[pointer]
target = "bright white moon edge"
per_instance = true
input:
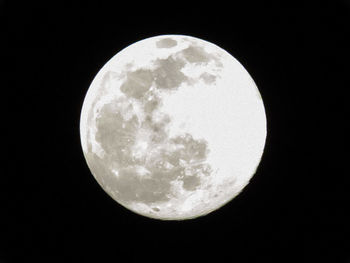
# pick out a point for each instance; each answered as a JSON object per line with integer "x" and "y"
{"x": 173, "y": 127}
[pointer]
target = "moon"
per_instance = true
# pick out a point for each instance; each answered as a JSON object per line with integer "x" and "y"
{"x": 173, "y": 127}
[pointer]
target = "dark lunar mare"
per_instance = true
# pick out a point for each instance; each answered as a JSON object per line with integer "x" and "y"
{"x": 181, "y": 158}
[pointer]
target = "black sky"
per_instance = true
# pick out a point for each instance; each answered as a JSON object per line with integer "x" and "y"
{"x": 294, "y": 209}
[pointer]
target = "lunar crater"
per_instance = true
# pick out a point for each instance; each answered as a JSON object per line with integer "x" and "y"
{"x": 166, "y": 43}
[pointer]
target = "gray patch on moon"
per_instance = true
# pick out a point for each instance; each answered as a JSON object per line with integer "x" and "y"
{"x": 137, "y": 83}
{"x": 197, "y": 54}
{"x": 194, "y": 54}
{"x": 150, "y": 103}
{"x": 105, "y": 83}
{"x": 168, "y": 75}
{"x": 165, "y": 159}
{"x": 115, "y": 134}
{"x": 208, "y": 78}
{"x": 191, "y": 182}
{"x": 145, "y": 173}
{"x": 166, "y": 43}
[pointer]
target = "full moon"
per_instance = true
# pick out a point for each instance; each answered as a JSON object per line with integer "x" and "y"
{"x": 173, "y": 127}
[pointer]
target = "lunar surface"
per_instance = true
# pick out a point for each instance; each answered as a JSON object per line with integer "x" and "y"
{"x": 173, "y": 127}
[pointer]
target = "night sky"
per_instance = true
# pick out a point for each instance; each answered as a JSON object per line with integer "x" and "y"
{"x": 294, "y": 209}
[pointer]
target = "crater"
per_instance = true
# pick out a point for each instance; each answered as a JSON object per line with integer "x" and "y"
{"x": 194, "y": 54}
{"x": 166, "y": 43}
{"x": 137, "y": 83}
{"x": 168, "y": 74}
{"x": 208, "y": 78}
{"x": 190, "y": 183}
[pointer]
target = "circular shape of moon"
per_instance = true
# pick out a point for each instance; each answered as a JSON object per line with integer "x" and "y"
{"x": 173, "y": 127}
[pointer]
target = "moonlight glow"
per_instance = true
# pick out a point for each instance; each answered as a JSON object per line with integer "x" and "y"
{"x": 173, "y": 127}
